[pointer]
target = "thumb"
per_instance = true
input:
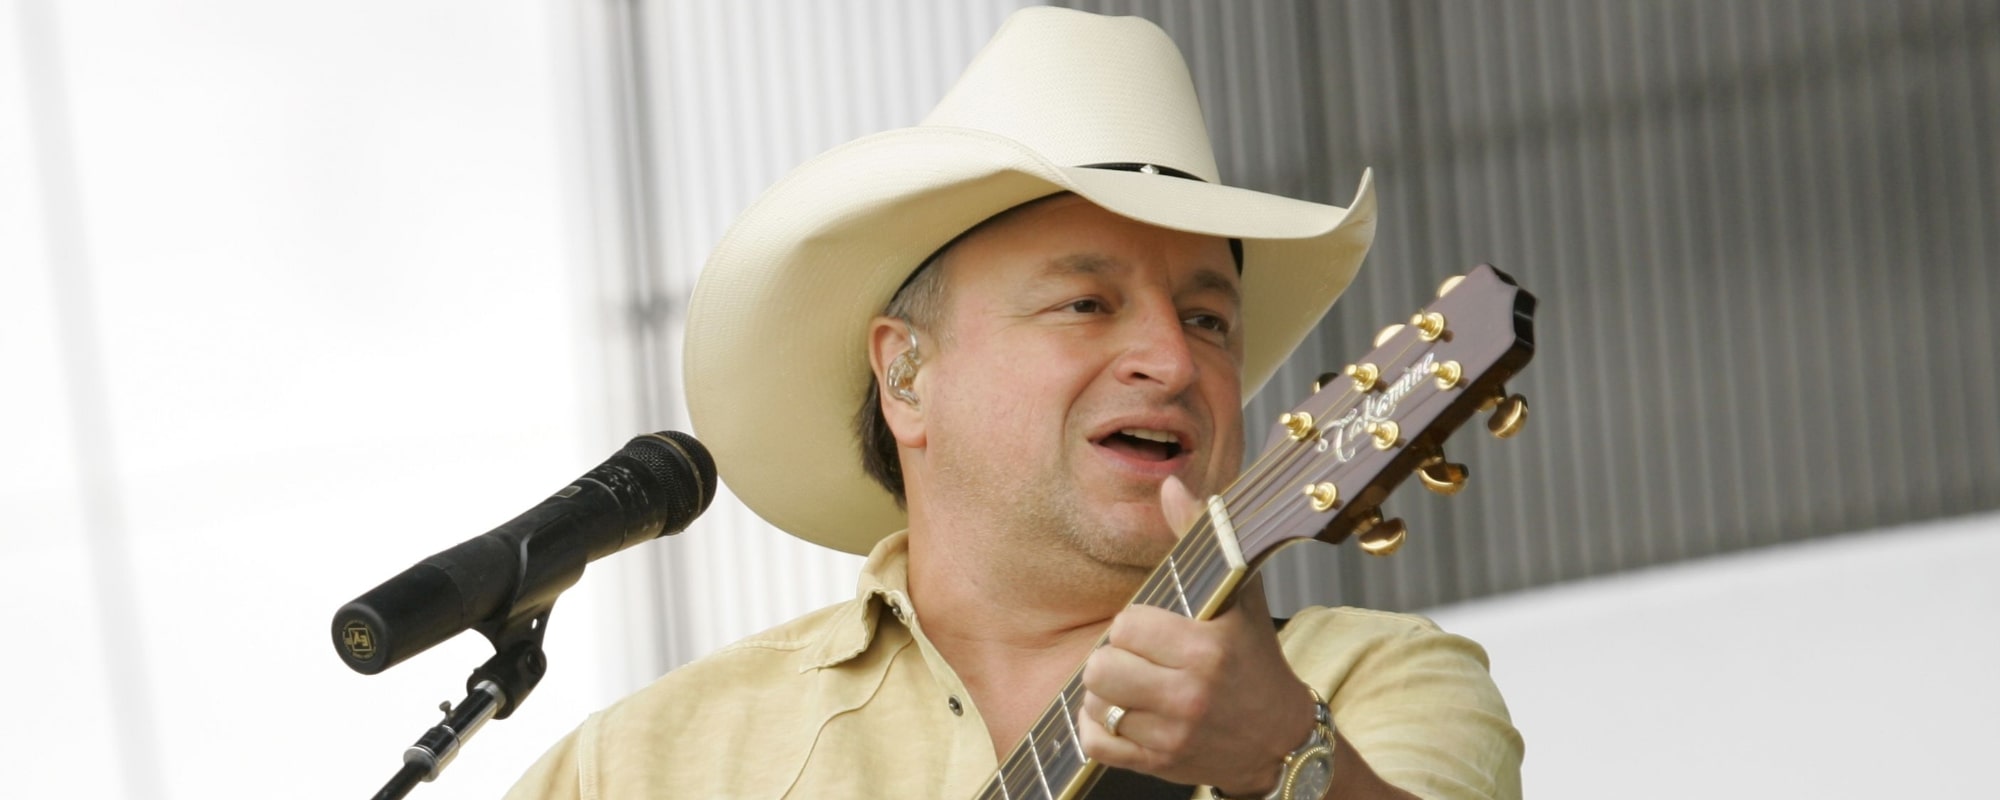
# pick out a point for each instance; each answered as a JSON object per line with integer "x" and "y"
{"x": 1181, "y": 507}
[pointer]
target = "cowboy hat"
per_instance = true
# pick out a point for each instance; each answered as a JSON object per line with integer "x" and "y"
{"x": 1059, "y": 101}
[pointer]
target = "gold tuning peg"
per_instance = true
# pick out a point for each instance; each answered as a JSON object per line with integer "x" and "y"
{"x": 1449, "y": 284}
{"x": 1385, "y": 433}
{"x": 1508, "y": 416}
{"x": 1366, "y": 376}
{"x": 1385, "y": 538}
{"x": 1430, "y": 325}
{"x": 1441, "y": 476}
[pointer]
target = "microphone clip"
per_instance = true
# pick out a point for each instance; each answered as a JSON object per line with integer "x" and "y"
{"x": 493, "y": 691}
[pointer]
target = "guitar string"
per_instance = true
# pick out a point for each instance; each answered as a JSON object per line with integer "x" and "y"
{"x": 1272, "y": 474}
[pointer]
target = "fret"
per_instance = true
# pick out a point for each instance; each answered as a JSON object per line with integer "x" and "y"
{"x": 1180, "y": 590}
{"x": 1073, "y": 690}
{"x": 1020, "y": 779}
{"x": 1043, "y": 774}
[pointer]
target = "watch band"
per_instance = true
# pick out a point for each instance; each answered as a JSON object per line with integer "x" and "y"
{"x": 1321, "y": 737}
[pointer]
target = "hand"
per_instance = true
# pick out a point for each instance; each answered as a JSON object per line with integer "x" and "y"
{"x": 1206, "y": 702}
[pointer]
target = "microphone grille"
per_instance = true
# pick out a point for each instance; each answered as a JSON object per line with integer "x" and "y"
{"x": 677, "y": 463}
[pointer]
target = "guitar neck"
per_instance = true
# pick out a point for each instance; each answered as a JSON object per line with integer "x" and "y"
{"x": 1196, "y": 580}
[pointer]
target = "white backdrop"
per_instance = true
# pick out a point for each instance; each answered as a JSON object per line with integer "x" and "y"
{"x": 293, "y": 295}
{"x": 287, "y": 303}
{"x": 1859, "y": 666}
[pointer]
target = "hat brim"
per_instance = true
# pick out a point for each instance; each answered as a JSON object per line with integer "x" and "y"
{"x": 776, "y": 348}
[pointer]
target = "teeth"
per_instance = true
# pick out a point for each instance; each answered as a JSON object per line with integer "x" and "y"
{"x": 1151, "y": 435}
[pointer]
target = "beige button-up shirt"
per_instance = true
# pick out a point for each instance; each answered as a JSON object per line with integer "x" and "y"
{"x": 851, "y": 701}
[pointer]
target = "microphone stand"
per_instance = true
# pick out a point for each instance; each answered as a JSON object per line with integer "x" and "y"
{"x": 494, "y": 691}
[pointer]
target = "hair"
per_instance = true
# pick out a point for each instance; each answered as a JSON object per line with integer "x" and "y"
{"x": 921, "y": 304}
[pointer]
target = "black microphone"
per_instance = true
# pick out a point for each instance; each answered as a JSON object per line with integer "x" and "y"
{"x": 657, "y": 484}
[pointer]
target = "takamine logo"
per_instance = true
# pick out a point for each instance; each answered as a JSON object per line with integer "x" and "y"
{"x": 360, "y": 640}
{"x": 1351, "y": 429}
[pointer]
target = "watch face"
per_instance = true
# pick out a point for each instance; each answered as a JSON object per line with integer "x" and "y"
{"x": 1311, "y": 775}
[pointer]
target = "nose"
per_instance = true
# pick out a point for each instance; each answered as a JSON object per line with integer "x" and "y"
{"x": 1155, "y": 350}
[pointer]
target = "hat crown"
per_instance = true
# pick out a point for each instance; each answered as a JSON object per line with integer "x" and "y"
{"x": 1084, "y": 90}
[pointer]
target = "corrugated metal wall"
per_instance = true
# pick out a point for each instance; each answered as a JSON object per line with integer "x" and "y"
{"x": 1762, "y": 234}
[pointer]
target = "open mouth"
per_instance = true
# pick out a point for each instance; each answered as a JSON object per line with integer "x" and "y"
{"x": 1143, "y": 444}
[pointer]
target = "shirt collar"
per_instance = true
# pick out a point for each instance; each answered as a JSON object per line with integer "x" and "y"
{"x": 884, "y": 583}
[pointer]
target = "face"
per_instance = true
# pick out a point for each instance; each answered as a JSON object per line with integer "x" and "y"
{"x": 1085, "y": 357}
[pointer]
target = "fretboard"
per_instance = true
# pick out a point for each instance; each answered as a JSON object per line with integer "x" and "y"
{"x": 1196, "y": 579}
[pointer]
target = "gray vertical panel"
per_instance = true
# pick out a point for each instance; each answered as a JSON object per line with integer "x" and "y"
{"x": 1761, "y": 231}
{"x": 1968, "y": 167}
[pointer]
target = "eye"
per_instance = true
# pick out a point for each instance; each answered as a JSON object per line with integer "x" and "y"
{"x": 1210, "y": 322}
{"x": 1088, "y": 305}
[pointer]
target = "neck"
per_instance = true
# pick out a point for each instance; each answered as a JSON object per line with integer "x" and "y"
{"x": 990, "y": 586}
{"x": 1014, "y": 634}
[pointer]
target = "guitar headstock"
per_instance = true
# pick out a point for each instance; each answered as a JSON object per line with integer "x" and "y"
{"x": 1332, "y": 459}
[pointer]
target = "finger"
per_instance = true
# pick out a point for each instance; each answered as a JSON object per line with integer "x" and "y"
{"x": 1097, "y": 711}
{"x": 1181, "y": 507}
{"x": 1121, "y": 677}
{"x": 1162, "y": 637}
{"x": 1126, "y": 748}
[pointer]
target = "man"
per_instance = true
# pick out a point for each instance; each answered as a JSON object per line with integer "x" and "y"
{"x": 1050, "y": 312}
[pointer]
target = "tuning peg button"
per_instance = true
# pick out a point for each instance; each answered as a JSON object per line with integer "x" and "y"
{"x": 1385, "y": 538}
{"x": 1441, "y": 476}
{"x": 1508, "y": 417}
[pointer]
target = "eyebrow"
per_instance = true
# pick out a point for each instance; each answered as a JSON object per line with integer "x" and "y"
{"x": 1205, "y": 279}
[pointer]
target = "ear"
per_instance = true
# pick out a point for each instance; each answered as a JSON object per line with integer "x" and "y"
{"x": 888, "y": 338}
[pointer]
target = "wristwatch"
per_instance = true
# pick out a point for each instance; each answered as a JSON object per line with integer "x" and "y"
{"x": 1308, "y": 770}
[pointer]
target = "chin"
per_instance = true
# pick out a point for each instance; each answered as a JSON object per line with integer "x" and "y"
{"x": 1140, "y": 547}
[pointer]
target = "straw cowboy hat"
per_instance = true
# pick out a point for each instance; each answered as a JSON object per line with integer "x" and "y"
{"x": 1059, "y": 101}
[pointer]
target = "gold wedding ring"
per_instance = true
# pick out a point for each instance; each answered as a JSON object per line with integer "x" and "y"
{"x": 1112, "y": 718}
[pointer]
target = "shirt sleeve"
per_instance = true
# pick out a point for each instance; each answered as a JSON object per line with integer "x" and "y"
{"x": 1417, "y": 703}
{"x": 557, "y": 775}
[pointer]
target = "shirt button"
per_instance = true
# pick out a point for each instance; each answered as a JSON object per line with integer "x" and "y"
{"x": 957, "y": 709}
